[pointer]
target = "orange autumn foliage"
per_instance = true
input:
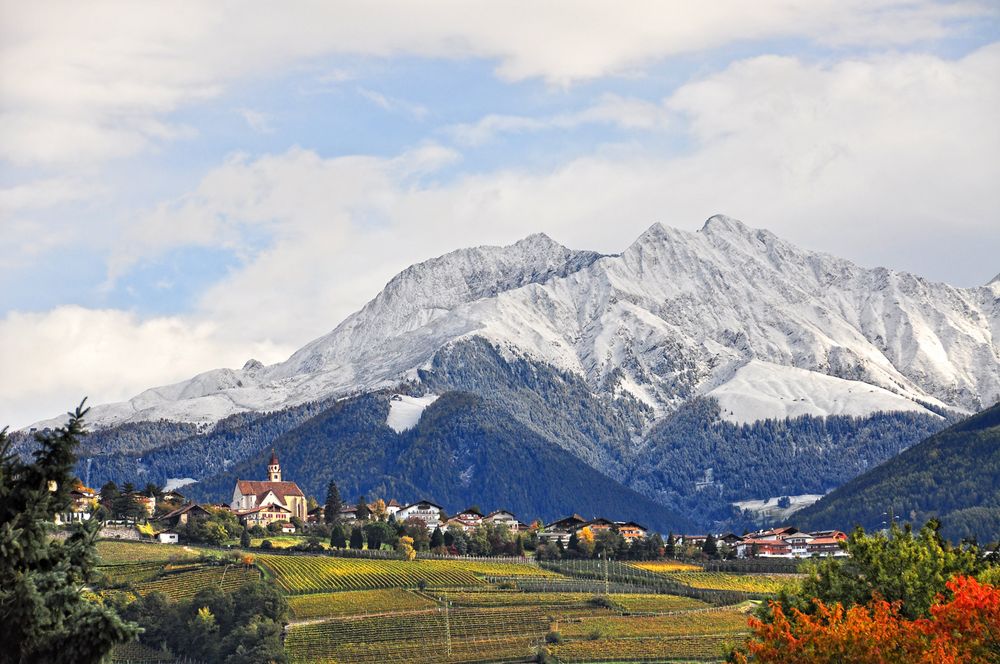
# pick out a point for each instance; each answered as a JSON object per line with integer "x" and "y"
{"x": 965, "y": 630}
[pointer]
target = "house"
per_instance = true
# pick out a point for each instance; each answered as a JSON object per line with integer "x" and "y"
{"x": 561, "y": 530}
{"x": 261, "y": 503}
{"x": 173, "y": 496}
{"x": 167, "y": 537}
{"x": 424, "y": 510}
{"x": 181, "y": 515}
{"x": 729, "y": 539}
{"x": 148, "y": 503}
{"x": 348, "y": 513}
{"x": 696, "y": 541}
{"x": 468, "y": 520}
{"x": 597, "y": 525}
{"x": 83, "y": 500}
{"x": 630, "y": 530}
{"x": 264, "y": 516}
{"x": 826, "y": 546}
{"x": 287, "y": 527}
{"x": 316, "y": 515}
{"x": 392, "y": 508}
{"x": 503, "y": 517}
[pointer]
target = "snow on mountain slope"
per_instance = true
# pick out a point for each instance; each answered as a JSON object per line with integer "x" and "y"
{"x": 405, "y": 411}
{"x": 761, "y": 390}
{"x": 677, "y": 314}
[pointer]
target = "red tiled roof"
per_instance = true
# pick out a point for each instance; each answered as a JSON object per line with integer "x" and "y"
{"x": 259, "y": 489}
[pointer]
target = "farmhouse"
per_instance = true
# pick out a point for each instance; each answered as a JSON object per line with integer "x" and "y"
{"x": 630, "y": 530}
{"x": 260, "y": 503}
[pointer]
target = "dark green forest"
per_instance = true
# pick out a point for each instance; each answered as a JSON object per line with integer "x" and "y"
{"x": 953, "y": 476}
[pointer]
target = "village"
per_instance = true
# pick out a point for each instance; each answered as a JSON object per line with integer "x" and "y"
{"x": 273, "y": 508}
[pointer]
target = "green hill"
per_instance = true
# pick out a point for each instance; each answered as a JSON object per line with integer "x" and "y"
{"x": 953, "y": 476}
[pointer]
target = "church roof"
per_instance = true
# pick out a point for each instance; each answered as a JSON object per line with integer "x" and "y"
{"x": 260, "y": 489}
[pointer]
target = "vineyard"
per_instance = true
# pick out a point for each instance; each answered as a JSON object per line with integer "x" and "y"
{"x": 636, "y": 603}
{"x": 690, "y": 623}
{"x": 750, "y": 583}
{"x": 125, "y": 553}
{"x": 355, "y": 602}
{"x": 185, "y": 584}
{"x": 512, "y": 598}
{"x": 685, "y": 648}
{"x": 662, "y": 566}
{"x": 438, "y": 635}
{"x": 304, "y": 574}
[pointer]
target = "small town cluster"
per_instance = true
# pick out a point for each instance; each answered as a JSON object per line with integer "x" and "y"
{"x": 276, "y": 506}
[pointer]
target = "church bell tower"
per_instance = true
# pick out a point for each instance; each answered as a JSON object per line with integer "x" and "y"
{"x": 274, "y": 468}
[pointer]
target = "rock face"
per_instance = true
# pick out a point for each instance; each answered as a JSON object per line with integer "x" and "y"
{"x": 674, "y": 316}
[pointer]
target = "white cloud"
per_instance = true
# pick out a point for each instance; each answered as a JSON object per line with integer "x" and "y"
{"x": 256, "y": 120}
{"x": 70, "y": 352}
{"x": 393, "y": 104}
{"x": 622, "y": 112}
{"x": 89, "y": 81}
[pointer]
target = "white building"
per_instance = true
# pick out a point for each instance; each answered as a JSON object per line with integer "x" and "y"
{"x": 167, "y": 538}
{"x": 424, "y": 510}
{"x": 503, "y": 517}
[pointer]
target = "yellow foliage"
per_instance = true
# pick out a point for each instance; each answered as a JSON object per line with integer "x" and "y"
{"x": 146, "y": 529}
{"x": 586, "y": 535}
{"x": 405, "y": 547}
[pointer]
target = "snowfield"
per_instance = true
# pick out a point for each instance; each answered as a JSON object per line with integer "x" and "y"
{"x": 761, "y": 390}
{"x": 770, "y": 329}
{"x": 405, "y": 411}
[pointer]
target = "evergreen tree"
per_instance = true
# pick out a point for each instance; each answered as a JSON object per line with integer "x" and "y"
{"x": 671, "y": 548}
{"x": 46, "y": 617}
{"x": 245, "y": 539}
{"x": 710, "y": 548}
{"x": 437, "y": 538}
{"x": 337, "y": 539}
{"x": 357, "y": 538}
{"x": 363, "y": 512}
{"x": 519, "y": 546}
{"x": 331, "y": 510}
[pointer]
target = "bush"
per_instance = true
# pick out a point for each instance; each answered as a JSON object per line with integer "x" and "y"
{"x": 555, "y": 637}
{"x": 266, "y": 545}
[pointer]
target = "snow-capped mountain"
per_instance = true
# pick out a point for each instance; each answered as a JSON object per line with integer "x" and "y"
{"x": 767, "y": 328}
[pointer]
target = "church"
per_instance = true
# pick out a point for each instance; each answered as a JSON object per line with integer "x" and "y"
{"x": 260, "y": 503}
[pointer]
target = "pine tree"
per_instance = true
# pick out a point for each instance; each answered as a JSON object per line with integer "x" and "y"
{"x": 245, "y": 539}
{"x": 519, "y": 546}
{"x": 437, "y": 538}
{"x": 363, "y": 512}
{"x": 46, "y": 617}
{"x": 331, "y": 511}
{"x": 357, "y": 538}
{"x": 671, "y": 548}
{"x": 337, "y": 539}
{"x": 710, "y": 548}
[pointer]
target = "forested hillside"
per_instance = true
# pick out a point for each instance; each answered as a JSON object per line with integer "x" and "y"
{"x": 463, "y": 451}
{"x": 953, "y": 475}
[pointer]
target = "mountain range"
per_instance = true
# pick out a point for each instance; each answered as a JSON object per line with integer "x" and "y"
{"x": 696, "y": 369}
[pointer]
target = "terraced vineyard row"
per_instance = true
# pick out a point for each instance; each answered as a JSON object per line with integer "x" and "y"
{"x": 117, "y": 575}
{"x": 185, "y": 585}
{"x": 355, "y": 602}
{"x": 662, "y": 566}
{"x": 456, "y": 635}
{"x": 512, "y": 598}
{"x": 636, "y": 603}
{"x": 303, "y": 574}
{"x": 691, "y": 623}
{"x": 751, "y": 583}
{"x": 708, "y": 648}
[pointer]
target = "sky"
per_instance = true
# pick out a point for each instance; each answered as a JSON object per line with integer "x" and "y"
{"x": 187, "y": 185}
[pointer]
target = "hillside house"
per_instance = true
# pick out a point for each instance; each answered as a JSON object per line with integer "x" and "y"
{"x": 503, "y": 517}
{"x": 468, "y": 520}
{"x": 261, "y": 503}
{"x": 181, "y": 515}
{"x": 83, "y": 500}
{"x": 561, "y": 530}
{"x": 392, "y": 508}
{"x": 630, "y": 530}
{"x": 424, "y": 510}
{"x": 167, "y": 537}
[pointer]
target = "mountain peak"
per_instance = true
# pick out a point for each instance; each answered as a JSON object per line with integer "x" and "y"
{"x": 720, "y": 223}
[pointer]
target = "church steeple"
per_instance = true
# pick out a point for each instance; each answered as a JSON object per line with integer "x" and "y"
{"x": 274, "y": 468}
